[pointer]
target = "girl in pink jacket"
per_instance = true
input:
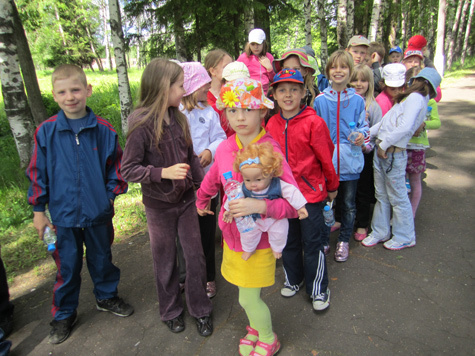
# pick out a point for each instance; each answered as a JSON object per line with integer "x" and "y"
{"x": 257, "y": 60}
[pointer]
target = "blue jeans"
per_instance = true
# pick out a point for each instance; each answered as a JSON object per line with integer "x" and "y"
{"x": 306, "y": 236}
{"x": 390, "y": 191}
{"x": 346, "y": 201}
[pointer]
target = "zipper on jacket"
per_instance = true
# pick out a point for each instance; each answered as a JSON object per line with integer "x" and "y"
{"x": 308, "y": 183}
{"x": 78, "y": 213}
{"x": 77, "y": 139}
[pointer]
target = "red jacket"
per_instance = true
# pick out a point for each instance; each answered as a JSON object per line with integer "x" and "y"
{"x": 308, "y": 148}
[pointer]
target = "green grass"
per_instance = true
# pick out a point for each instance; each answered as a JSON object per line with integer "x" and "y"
{"x": 21, "y": 248}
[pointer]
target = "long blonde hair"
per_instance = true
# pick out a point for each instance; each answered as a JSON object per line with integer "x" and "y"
{"x": 157, "y": 78}
{"x": 367, "y": 74}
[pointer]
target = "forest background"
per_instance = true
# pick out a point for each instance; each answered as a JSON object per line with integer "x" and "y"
{"x": 103, "y": 35}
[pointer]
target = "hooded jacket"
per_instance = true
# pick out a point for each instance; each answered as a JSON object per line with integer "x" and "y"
{"x": 308, "y": 149}
{"x": 338, "y": 109}
{"x": 143, "y": 161}
{"x": 76, "y": 175}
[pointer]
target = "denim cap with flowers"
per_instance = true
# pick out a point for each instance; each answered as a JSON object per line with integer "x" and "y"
{"x": 245, "y": 93}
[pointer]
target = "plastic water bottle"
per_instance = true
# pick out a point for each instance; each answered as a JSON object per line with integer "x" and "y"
{"x": 428, "y": 113}
{"x": 355, "y": 149}
{"x": 233, "y": 190}
{"x": 328, "y": 216}
{"x": 49, "y": 238}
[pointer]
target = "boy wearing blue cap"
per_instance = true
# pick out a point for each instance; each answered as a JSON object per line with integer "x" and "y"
{"x": 395, "y": 55}
{"x": 308, "y": 148}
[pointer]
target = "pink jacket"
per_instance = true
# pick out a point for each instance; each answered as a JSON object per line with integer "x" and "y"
{"x": 224, "y": 158}
{"x": 385, "y": 102}
{"x": 257, "y": 71}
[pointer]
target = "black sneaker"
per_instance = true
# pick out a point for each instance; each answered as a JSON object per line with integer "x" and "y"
{"x": 115, "y": 305}
{"x": 60, "y": 329}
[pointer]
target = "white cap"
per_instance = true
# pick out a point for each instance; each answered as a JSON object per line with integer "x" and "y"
{"x": 394, "y": 75}
{"x": 235, "y": 70}
{"x": 257, "y": 36}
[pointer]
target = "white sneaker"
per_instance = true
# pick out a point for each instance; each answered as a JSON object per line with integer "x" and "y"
{"x": 321, "y": 301}
{"x": 395, "y": 246}
{"x": 290, "y": 291}
{"x": 372, "y": 241}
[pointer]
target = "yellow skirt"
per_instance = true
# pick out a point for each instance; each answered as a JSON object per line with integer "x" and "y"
{"x": 257, "y": 272}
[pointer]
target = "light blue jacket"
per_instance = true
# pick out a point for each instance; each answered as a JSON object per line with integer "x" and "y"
{"x": 338, "y": 109}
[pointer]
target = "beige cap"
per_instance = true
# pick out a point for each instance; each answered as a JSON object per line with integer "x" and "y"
{"x": 235, "y": 70}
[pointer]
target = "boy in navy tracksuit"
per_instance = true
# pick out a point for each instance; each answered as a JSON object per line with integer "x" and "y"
{"x": 75, "y": 171}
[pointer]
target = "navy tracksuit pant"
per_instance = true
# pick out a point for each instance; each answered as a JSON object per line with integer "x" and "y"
{"x": 69, "y": 259}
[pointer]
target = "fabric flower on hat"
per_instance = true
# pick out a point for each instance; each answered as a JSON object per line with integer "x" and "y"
{"x": 229, "y": 97}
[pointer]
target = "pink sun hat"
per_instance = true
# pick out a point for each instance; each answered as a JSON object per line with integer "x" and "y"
{"x": 195, "y": 76}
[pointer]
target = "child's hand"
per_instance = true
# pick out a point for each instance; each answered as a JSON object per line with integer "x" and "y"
{"x": 419, "y": 130}
{"x": 381, "y": 153}
{"x": 247, "y": 206}
{"x": 332, "y": 195}
{"x": 227, "y": 217}
{"x": 359, "y": 139}
{"x": 206, "y": 210}
{"x": 205, "y": 158}
{"x": 303, "y": 213}
{"x": 40, "y": 221}
{"x": 178, "y": 171}
{"x": 277, "y": 255}
{"x": 246, "y": 255}
{"x": 265, "y": 62}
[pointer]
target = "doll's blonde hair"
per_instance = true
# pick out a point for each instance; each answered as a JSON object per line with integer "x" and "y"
{"x": 270, "y": 161}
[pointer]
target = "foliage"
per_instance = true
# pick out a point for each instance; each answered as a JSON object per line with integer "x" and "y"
{"x": 60, "y": 32}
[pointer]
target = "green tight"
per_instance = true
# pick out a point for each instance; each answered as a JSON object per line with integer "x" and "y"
{"x": 258, "y": 314}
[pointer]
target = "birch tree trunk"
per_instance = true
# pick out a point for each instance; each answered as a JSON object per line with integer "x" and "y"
{"x": 28, "y": 70}
{"x": 307, "y": 9}
{"x": 455, "y": 31}
{"x": 323, "y": 34}
{"x": 16, "y": 104}
{"x": 373, "y": 27}
{"x": 350, "y": 19}
{"x": 121, "y": 64}
{"x": 249, "y": 17}
{"x": 105, "y": 19}
{"x": 467, "y": 33}
{"x": 342, "y": 24}
{"x": 453, "y": 21}
{"x": 439, "y": 58}
{"x": 460, "y": 37}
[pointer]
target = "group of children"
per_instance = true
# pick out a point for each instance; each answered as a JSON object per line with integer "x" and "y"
{"x": 193, "y": 125}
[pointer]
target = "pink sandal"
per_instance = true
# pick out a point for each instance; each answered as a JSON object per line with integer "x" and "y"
{"x": 247, "y": 342}
{"x": 361, "y": 237}
{"x": 271, "y": 349}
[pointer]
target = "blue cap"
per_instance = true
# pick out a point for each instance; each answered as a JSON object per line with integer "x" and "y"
{"x": 288, "y": 75}
{"x": 228, "y": 175}
{"x": 395, "y": 49}
{"x": 326, "y": 208}
{"x": 431, "y": 75}
{"x": 51, "y": 247}
{"x": 352, "y": 125}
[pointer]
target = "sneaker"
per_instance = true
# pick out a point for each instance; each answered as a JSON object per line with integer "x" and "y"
{"x": 289, "y": 291}
{"x": 395, "y": 246}
{"x": 408, "y": 186}
{"x": 61, "y": 329}
{"x": 342, "y": 251}
{"x": 326, "y": 250}
{"x": 321, "y": 301}
{"x": 372, "y": 241}
{"x": 115, "y": 305}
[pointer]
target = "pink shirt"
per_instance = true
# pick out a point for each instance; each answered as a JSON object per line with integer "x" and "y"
{"x": 385, "y": 102}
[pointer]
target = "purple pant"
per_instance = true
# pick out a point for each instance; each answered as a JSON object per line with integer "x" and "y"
{"x": 163, "y": 226}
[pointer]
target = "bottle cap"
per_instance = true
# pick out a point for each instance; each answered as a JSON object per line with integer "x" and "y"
{"x": 352, "y": 125}
{"x": 429, "y": 108}
{"x": 326, "y": 208}
{"x": 228, "y": 175}
{"x": 51, "y": 247}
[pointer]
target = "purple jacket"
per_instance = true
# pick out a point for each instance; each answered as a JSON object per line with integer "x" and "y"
{"x": 143, "y": 162}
